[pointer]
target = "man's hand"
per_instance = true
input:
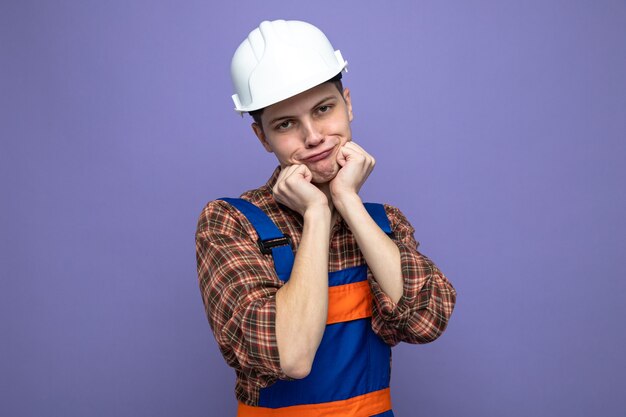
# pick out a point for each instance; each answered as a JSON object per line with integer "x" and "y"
{"x": 356, "y": 165}
{"x": 294, "y": 189}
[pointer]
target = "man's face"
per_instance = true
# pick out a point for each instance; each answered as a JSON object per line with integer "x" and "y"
{"x": 308, "y": 129}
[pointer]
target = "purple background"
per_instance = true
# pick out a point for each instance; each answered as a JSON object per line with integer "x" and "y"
{"x": 499, "y": 128}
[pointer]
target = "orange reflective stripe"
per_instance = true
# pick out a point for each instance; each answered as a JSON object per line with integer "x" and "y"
{"x": 349, "y": 302}
{"x": 363, "y": 405}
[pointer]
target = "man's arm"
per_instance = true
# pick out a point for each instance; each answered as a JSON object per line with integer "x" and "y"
{"x": 428, "y": 298}
{"x": 238, "y": 286}
{"x": 380, "y": 253}
{"x": 302, "y": 303}
{"x": 264, "y": 327}
{"x": 413, "y": 300}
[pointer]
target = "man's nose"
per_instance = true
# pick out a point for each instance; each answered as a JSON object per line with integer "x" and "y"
{"x": 313, "y": 135}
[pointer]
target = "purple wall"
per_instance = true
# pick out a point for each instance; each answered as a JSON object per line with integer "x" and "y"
{"x": 499, "y": 128}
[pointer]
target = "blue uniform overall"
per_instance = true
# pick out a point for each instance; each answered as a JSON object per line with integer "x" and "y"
{"x": 351, "y": 370}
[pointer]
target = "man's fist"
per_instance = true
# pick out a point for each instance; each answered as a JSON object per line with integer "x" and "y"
{"x": 356, "y": 165}
{"x": 294, "y": 189}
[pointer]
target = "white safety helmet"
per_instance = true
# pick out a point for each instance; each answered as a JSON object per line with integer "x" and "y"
{"x": 280, "y": 59}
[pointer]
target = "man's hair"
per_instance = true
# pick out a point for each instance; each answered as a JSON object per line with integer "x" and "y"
{"x": 256, "y": 114}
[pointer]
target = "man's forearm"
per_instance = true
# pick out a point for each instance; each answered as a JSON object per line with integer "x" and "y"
{"x": 302, "y": 303}
{"x": 380, "y": 253}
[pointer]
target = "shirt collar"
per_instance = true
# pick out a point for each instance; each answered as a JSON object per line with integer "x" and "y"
{"x": 272, "y": 181}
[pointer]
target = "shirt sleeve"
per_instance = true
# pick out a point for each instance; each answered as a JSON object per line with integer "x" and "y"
{"x": 238, "y": 286}
{"x": 422, "y": 313}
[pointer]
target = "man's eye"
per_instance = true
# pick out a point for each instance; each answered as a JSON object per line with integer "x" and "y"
{"x": 284, "y": 125}
{"x": 323, "y": 109}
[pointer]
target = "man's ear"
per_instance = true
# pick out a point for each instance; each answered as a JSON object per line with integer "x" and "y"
{"x": 348, "y": 100}
{"x": 258, "y": 131}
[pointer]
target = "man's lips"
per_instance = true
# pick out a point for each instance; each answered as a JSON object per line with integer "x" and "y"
{"x": 318, "y": 156}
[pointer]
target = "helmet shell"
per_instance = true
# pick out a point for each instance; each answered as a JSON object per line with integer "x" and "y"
{"x": 280, "y": 59}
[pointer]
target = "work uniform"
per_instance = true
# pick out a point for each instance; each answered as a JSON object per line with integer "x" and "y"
{"x": 350, "y": 374}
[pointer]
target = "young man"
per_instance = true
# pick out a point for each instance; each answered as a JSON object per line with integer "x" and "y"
{"x": 307, "y": 287}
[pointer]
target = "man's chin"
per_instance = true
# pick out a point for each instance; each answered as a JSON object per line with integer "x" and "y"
{"x": 323, "y": 177}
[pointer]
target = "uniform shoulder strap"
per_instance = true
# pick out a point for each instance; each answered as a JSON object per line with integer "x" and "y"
{"x": 271, "y": 239}
{"x": 378, "y": 214}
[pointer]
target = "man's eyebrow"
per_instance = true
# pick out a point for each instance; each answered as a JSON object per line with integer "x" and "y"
{"x": 279, "y": 118}
{"x": 319, "y": 103}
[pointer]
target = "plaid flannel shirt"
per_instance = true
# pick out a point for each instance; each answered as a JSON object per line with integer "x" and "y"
{"x": 238, "y": 286}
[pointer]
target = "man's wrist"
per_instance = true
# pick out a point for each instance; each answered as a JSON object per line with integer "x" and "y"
{"x": 344, "y": 202}
{"x": 317, "y": 213}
